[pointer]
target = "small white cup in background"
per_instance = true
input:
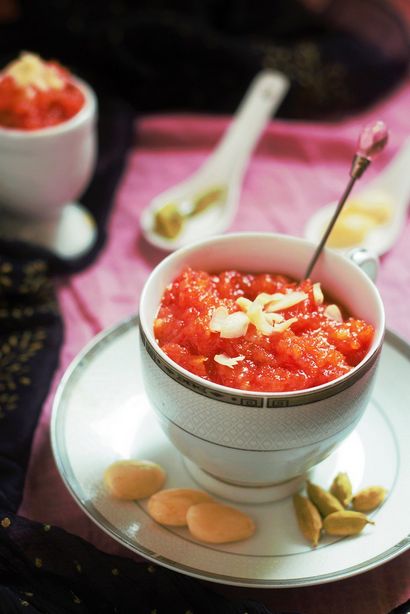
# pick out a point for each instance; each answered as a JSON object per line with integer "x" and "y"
{"x": 42, "y": 174}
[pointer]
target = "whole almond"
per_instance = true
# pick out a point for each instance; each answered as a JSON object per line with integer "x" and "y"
{"x": 170, "y": 506}
{"x": 133, "y": 479}
{"x": 215, "y": 523}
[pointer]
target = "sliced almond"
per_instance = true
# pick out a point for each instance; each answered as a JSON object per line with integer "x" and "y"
{"x": 286, "y": 301}
{"x": 257, "y": 316}
{"x": 266, "y": 321}
{"x": 264, "y": 298}
{"x": 218, "y": 318}
{"x": 281, "y": 326}
{"x": 235, "y": 325}
{"x": 333, "y": 313}
{"x": 318, "y": 294}
{"x": 53, "y": 80}
{"x": 272, "y": 318}
{"x": 226, "y": 361}
{"x": 243, "y": 303}
{"x": 30, "y": 70}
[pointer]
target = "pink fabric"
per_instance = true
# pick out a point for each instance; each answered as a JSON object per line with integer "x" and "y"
{"x": 297, "y": 167}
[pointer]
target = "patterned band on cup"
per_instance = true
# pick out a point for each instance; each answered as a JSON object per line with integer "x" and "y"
{"x": 261, "y": 400}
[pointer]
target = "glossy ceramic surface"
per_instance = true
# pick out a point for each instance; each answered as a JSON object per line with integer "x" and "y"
{"x": 224, "y": 430}
{"x": 101, "y": 414}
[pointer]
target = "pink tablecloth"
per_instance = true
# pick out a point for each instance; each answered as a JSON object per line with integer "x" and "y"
{"x": 297, "y": 168}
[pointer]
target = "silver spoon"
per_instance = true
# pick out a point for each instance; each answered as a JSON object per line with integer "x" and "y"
{"x": 388, "y": 192}
{"x": 372, "y": 141}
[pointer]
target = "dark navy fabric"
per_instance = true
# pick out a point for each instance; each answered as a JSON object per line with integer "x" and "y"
{"x": 43, "y": 568}
{"x": 200, "y": 55}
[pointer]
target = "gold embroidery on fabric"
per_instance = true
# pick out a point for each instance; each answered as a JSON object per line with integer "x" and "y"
{"x": 34, "y": 281}
{"x": 304, "y": 65}
{"x": 21, "y": 347}
{"x": 15, "y": 354}
{"x": 5, "y": 269}
{"x": 75, "y": 598}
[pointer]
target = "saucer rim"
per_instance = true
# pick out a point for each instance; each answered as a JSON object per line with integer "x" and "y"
{"x": 66, "y": 473}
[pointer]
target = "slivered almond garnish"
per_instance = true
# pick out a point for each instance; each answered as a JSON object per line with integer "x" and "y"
{"x": 281, "y": 326}
{"x": 285, "y": 301}
{"x": 235, "y": 325}
{"x": 30, "y": 70}
{"x": 243, "y": 303}
{"x": 218, "y": 317}
{"x": 224, "y": 360}
{"x": 318, "y": 294}
{"x": 264, "y": 298}
{"x": 261, "y": 313}
{"x": 272, "y": 318}
{"x": 256, "y": 315}
{"x": 333, "y": 313}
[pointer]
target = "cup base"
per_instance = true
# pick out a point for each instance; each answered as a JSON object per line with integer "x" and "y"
{"x": 69, "y": 236}
{"x": 242, "y": 493}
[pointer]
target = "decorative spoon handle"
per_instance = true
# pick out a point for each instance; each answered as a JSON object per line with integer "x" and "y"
{"x": 372, "y": 141}
{"x": 263, "y": 98}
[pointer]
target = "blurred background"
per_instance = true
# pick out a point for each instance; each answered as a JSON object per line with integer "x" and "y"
{"x": 200, "y": 55}
{"x": 146, "y": 57}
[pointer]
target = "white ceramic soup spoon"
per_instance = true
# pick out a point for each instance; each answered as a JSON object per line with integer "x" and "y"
{"x": 206, "y": 202}
{"x": 387, "y": 197}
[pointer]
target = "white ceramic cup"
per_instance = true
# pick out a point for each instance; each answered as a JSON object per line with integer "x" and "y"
{"x": 258, "y": 439}
{"x": 41, "y": 171}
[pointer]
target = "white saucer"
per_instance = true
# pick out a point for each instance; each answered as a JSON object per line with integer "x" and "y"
{"x": 101, "y": 414}
{"x": 243, "y": 494}
{"x": 71, "y": 236}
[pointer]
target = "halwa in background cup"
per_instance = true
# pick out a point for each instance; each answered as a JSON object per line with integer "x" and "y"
{"x": 43, "y": 172}
{"x": 237, "y": 442}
